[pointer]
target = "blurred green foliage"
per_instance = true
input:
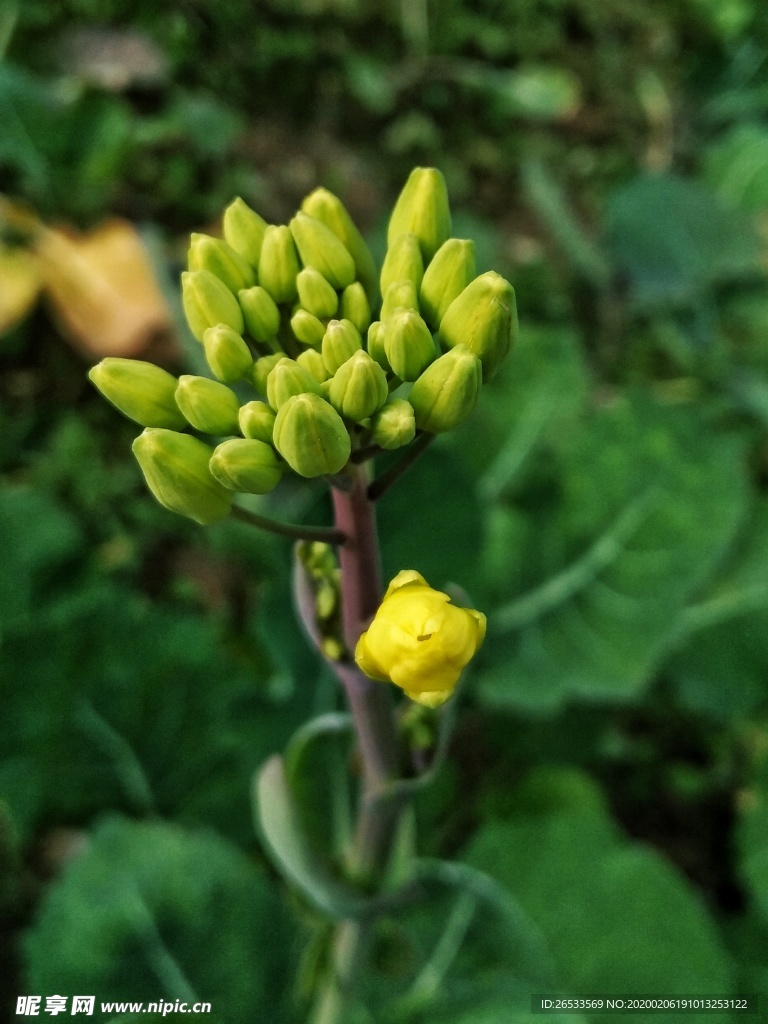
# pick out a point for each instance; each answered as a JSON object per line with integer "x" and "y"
{"x": 605, "y": 506}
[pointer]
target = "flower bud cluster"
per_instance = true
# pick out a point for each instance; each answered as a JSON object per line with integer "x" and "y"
{"x": 288, "y": 311}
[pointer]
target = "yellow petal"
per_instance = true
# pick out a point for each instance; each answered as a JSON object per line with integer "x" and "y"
{"x": 404, "y": 577}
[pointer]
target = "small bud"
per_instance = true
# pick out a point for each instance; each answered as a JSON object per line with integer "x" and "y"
{"x": 316, "y": 295}
{"x": 244, "y": 230}
{"x": 375, "y": 344}
{"x": 445, "y": 394}
{"x": 257, "y": 421}
{"x": 227, "y": 354}
{"x": 340, "y": 342}
{"x": 422, "y": 208}
{"x": 399, "y": 295}
{"x": 403, "y": 262}
{"x": 484, "y": 318}
{"x": 206, "y": 253}
{"x": 358, "y": 388}
{"x": 447, "y": 275}
{"x": 208, "y": 405}
{"x": 207, "y": 302}
{"x": 394, "y": 425}
{"x": 262, "y": 369}
{"x": 355, "y": 306}
{"x": 307, "y": 328}
{"x": 260, "y": 313}
{"x": 175, "y": 467}
{"x": 314, "y": 363}
{"x": 329, "y": 209}
{"x": 320, "y": 248}
{"x": 246, "y": 465}
{"x": 279, "y": 263}
{"x": 287, "y": 380}
{"x": 141, "y": 391}
{"x": 311, "y": 436}
{"x": 408, "y": 344}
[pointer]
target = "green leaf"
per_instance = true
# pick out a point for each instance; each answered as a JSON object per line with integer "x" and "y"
{"x": 316, "y": 770}
{"x": 171, "y": 722}
{"x": 649, "y": 498}
{"x": 617, "y": 917}
{"x": 721, "y": 666}
{"x": 39, "y": 536}
{"x": 737, "y": 167}
{"x": 752, "y": 839}
{"x": 131, "y": 919}
{"x": 675, "y": 240}
{"x": 279, "y": 820}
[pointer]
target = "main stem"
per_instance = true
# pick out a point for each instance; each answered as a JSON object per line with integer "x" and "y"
{"x": 369, "y": 701}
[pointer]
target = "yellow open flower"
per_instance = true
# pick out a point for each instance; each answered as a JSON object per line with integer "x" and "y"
{"x": 419, "y": 641}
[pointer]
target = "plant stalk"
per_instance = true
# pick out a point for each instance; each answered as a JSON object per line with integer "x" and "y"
{"x": 369, "y": 701}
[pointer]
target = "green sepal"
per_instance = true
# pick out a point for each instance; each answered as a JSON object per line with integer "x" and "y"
{"x": 340, "y": 342}
{"x": 247, "y": 465}
{"x": 279, "y": 263}
{"x": 358, "y": 388}
{"x": 329, "y": 209}
{"x": 403, "y": 262}
{"x": 484, "y": 318}
{"x": 423, "y": 209}
{"x": 244, "y": 230}
{"x": 446, "y": 393}
{"x": 175, "y": 467}
{"x": 311, "y": 436}
{"x": 320, "y": 248}
{"x": 260, "y": 313}
{"x": 207, "y": 302}
{"x": 215, "y": 255}
{"x": 448, "y": 274}
{"x": 208, "y": 405}
{"x": 227, "y": 354}
{"x": 141, "y": 391}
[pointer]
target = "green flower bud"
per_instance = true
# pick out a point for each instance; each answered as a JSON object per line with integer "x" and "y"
{"x": 257, "y": 421}
{"x": 358, "y": 388}
{"x": 206, "y": 253}
{"x": 246, "y": 465}
{"x": 279, "y": 263}
{"x": 422, "y": 208}
{"x": 394, "y": 425}
{"x": 448, "y": 274}
{"x": 399, "y": 295}
{"x": 340, "y": 342}
{"x": 316, "y": 295}
{"x": 175, "y": 467}
{"x": 311, "y": 436}
{"x": 208, "y": 405}
{"x": 227, "y": 354}
{"x": 313, "y": 363}
{"x": 260, "y": 313}
{"x": 375, "y": 344}
{"x": 484, "y": 318}
{"x": 141, "y": 391}
{"x": 320, "y": 248}
{"x": 262, "y": 369}
{"x": 329, "y": 209}
{"x": 287, "y": 380}
{"x": 445, "y": 394}
{"x": 307, "y": 328}
{"x": 403, "y": 262}
{"x": 244, "y": 230}
{"x": 207, "y": 302}
{"x": 355, "y": 306}
{"x": 408, "y": 344}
